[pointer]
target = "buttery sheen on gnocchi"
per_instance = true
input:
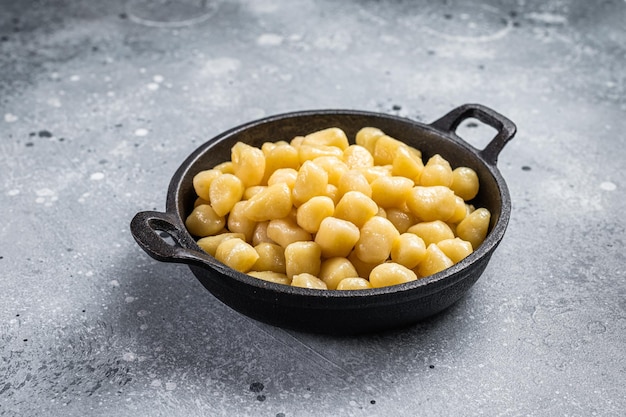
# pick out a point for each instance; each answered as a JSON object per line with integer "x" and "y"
{"x": 319, "y": 212}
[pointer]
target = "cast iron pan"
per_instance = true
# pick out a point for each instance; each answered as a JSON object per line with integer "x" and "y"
{"x": 327, "y": 311}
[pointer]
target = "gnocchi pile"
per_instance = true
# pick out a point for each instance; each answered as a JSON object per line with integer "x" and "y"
{"x": 319, "y": 212}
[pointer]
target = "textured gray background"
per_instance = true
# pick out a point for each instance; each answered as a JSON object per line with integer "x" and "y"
{"x": 98, "y": 109}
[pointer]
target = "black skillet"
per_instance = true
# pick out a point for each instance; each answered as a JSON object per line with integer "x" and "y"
{"x": 324, "y": 311}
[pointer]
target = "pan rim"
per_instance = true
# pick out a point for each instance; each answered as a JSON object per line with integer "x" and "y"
{"x": 424, "y": 286}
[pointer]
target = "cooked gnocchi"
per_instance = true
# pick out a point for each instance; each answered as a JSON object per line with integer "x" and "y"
{"x": 319, "y": 212}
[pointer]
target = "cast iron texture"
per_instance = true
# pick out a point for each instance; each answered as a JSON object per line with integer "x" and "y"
{"x": 336, "y": 312}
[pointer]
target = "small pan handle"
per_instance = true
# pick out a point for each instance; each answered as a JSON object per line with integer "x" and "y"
{"x": 506, "y": 128}
{"x": 145, "y": 228}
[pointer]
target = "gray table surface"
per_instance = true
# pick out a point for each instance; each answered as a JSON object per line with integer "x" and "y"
{"x": 99, "y": 106}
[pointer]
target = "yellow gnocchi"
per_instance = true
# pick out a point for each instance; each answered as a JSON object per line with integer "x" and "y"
{"x": 323, "y": 213}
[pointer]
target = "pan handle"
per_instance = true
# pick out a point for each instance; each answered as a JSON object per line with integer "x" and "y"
{"x": 145, "y": 228}
{"x": 506, "y": 128}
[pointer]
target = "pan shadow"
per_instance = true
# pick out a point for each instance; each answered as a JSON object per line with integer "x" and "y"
{"x": 179, "y": 334}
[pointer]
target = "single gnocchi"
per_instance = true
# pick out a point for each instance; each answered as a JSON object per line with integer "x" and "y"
{"x": 322, "y": 213}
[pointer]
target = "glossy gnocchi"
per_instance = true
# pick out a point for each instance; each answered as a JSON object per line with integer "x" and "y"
{"x": 319, "y": 212}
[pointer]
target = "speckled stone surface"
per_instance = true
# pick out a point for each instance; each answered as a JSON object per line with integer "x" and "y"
{"x": 99, "y": 105}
